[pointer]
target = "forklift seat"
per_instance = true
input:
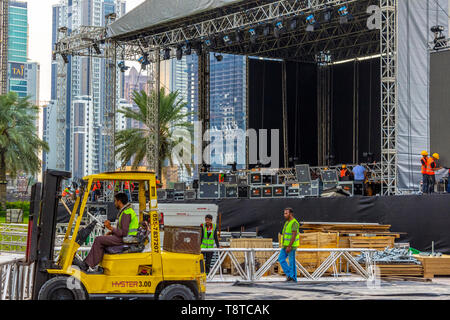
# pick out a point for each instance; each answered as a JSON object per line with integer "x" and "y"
{"x": 133, "y": 244}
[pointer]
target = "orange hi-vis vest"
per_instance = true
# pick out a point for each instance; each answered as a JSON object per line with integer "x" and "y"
{"x": 430, "y": 171}
{"x": 344, "y": 173}
{"x": 424, "y": 162}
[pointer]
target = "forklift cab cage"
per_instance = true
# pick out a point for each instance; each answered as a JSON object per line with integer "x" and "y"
{"x": 69, "y": 246}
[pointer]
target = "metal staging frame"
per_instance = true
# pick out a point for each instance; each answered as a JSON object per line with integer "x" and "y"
{"x": 343, "y": 41}
{"x": 248, "y": 272}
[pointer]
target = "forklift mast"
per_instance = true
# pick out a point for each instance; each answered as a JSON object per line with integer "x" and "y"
{"x": 44, "y": 218}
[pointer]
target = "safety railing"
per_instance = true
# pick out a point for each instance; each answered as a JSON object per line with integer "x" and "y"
{"x": 249, "y": 273}
{"x": 16, "y": 280}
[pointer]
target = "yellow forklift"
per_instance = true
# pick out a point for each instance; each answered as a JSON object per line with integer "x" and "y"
{"x": 132, "y": 274}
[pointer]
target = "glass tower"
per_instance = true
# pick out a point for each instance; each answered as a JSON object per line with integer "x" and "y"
{"x": 17, "y": 47}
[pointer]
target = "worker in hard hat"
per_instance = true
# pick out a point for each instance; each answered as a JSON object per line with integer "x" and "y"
{"x": 425, "y": 176}
{"x": 345, "y": 174}
{"x": 432, "y": 168}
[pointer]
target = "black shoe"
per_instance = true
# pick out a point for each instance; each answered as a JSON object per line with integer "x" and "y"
{"x": 80, "y": 264}
{"x": 291, "y": 280}
{"x": 99, "y": 270}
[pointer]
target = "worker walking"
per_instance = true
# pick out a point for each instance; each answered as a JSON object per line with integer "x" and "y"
{"x": 209, "y": 237}
{"x": 290, "y": 241}
{"x": 432, "y": 168}
{"x": 425, "y": 176}
{"x": 128, "y": 224}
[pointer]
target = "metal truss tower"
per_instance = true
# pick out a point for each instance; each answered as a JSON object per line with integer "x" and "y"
{"x": 109, "y": 125}
{"x": 152, "y": 118}
{"x": 3, "y": 45}
{"x": 389, "y": 102}
{"x": 61, "y": 105}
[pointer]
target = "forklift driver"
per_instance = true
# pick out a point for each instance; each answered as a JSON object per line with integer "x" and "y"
{"x": 128, "y": 224}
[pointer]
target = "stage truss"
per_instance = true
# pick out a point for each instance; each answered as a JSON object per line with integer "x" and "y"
{"x": 343, "y": 42}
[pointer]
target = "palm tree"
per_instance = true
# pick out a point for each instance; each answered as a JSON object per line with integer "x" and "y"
{"x": 19, "y": 141}
{"x": 174, "y": 131}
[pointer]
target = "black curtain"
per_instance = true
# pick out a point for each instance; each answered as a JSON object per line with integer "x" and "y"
{"x": 265, "y": 107}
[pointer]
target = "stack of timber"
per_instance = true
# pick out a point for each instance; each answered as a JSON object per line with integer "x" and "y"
{"x": 434, "y": 266}
{"x": 356, "y": 235}
{"x": 247, "y": 243}
{"x": 312, "y": 260}
{"x": 411, "y": 270}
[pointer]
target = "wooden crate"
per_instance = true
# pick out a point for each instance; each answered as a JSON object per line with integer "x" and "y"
{"x": 435, "y": 266}
{"x": 260, "y": 257}
{"x": 312, "y": 260}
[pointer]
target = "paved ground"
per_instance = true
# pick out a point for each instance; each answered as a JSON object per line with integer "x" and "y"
{"x": 438, "y": 289}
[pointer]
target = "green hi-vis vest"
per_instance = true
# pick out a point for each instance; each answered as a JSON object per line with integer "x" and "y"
{"x": 208, "y": 242}
{"x": 134, "y": 222}
{"x": 287, "y": 235}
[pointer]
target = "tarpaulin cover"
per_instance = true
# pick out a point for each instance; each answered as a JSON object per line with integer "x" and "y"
{"x": 154, "y": 12}
{"x": 423, "y": 218}
{"x": 416, "y": 17}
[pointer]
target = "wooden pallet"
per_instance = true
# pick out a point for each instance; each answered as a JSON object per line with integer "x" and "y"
{"x": 435, "y": 266}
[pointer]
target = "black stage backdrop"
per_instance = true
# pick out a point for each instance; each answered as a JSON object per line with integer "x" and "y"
{"x": 423, "y": 218}
{"x": 265, "y": 107}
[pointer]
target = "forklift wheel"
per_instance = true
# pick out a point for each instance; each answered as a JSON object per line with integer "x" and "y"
{"x": 62, "y": 288}
{"x": 176, "y": 292}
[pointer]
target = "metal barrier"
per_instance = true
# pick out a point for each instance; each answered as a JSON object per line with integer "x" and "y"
{"x": 16, "y": 280}
{"x": 248, "y": 273}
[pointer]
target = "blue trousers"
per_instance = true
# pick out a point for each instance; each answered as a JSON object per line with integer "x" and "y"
{"x": 425, "y": 183}
{"x": 290, "y": 270}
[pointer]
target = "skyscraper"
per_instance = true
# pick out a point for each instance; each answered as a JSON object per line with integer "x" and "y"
{"x": 23, "y": 77}
{"x": 85, "y": 86}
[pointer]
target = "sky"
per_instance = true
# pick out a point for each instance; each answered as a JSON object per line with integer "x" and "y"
{"x": 40, "y": 39}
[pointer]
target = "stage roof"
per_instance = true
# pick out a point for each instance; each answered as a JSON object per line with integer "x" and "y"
{"x": 155, "y": 13}
{"x": 169, "y": 23}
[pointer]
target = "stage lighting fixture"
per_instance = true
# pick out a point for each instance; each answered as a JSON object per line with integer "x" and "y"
{"x": 97, "y": 49}
{"x": 239, "y": 36}
{"x": 327, "y": 15}
{"x": 227, "y": 40}
{"x": 167, "y": 54}
{"x": 279, "y": 29}
{"x": 210, "y": 43}
{"x": 188, "y": 49}
{"x": 144, "y": 60}
{"x": 122, "y": 66}
{"x": 65, "y": 58}
{"x": 344, "y": 14}
{"x": 266, "y": 30}
{"x": 312, "y": 23}
{"x": 179, "y": 52}
{"x": 293, "y": 23}
{"x": 440, "y": 40}
{"x": 218, "y": 57}
{"x": 253, "y": 35}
